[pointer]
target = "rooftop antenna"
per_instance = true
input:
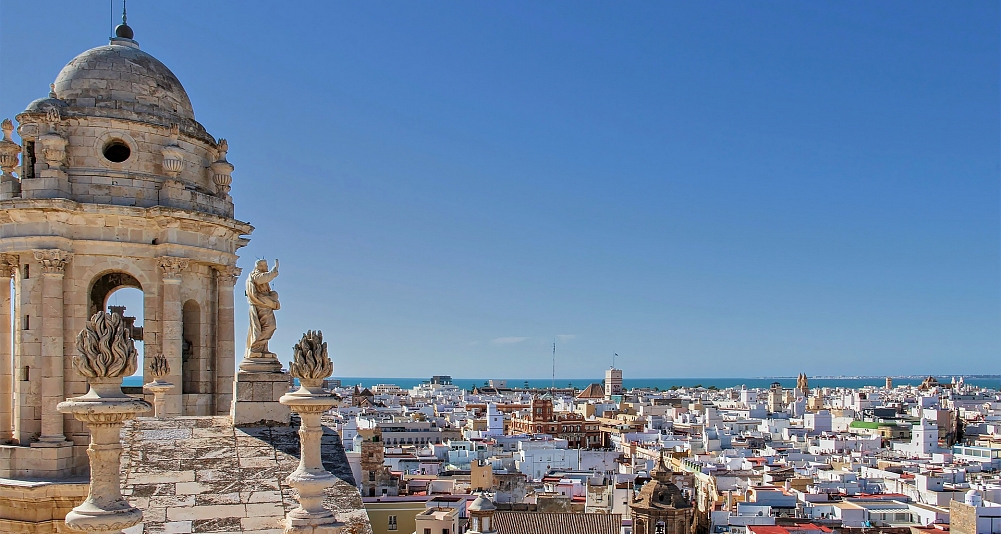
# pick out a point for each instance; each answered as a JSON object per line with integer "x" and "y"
{"x": 613, "y": 360}
{"x": 553, "y": 386}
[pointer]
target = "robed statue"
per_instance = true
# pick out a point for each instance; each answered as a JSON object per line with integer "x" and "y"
{"x": 263, "y": 303}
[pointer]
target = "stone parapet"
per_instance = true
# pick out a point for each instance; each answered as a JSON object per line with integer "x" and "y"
{"x": 38, "y": 507}
{"x": 36, "y": 462}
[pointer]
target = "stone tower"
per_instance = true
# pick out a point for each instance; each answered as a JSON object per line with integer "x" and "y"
{"x": 481, "y": 516}
{"x": 660, "y": 507}
{"x": 118, "y": 186}
{"x": 376, "y": 479}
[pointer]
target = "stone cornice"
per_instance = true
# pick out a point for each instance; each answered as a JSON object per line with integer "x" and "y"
{"x": 53, "y": 260}
{"x": 91, "y": 247}
{"x": 152, "y": 212}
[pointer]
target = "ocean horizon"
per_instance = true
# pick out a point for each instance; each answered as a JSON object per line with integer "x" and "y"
{"x": 991, "y": 381}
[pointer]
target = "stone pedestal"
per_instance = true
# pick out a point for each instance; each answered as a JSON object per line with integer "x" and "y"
{"x": 255, "y": 398}
{"x": 261, "y": 362}
{"x": 158, "y": 389}
{"x": 103, "y": 409}
{"x": 310, "y": 478}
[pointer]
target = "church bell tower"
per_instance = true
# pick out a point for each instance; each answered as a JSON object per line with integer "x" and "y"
{"x": 113, "y": 184}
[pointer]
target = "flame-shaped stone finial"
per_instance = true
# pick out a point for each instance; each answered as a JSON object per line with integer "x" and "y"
{"x": 158, "y": 366}
{"x": 309, "y": 358}
{"x": 106, "y": 348}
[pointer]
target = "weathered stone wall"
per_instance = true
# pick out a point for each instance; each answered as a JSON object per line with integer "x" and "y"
{"x": 962, "y": 518}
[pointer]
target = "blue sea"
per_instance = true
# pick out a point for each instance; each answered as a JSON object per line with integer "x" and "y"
{"x": 662, "y": 383}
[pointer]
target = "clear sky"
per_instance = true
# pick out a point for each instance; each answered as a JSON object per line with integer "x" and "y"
{"x": 704, "y": 188}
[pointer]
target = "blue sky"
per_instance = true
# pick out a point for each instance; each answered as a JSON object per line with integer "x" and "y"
{"x": 705, "y": 188}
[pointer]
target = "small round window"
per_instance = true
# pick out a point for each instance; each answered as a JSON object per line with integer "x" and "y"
{"x": 117, "y": 151}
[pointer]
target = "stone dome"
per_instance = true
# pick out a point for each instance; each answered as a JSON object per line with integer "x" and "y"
{"x": 481, "y": 504}
{"x": 119, "y": 77}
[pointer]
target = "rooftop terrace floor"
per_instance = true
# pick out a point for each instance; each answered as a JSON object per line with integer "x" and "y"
{"x": 200, "y": 474}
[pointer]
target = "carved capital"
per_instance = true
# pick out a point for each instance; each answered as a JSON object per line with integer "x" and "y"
{"x": 8, "y": 265}
{"x": 172, "y": 266}
{"x": 227, "y": 274}
{"x": 53, "y": 260}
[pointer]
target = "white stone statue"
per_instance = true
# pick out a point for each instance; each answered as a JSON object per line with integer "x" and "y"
{"x": 263, "y": 304}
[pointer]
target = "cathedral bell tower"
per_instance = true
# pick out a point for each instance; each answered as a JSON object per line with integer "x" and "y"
{"x": 118, "y": 186}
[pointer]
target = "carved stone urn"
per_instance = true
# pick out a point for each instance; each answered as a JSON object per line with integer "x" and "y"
{"x": 107, "y": 354}
{"x": 310, "y": 365}
{"x": 222, "y": 170}
{"x": 10, "y": 185}
{"x": 158, "y": 368}
{"x": 173, "y": 155}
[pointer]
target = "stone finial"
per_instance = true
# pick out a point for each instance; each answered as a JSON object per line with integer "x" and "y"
{"x": 106, "y": 355}
{"x": 106, "y": 348}
{"x": 310, "y": 365}
{"x": 158, "y": 366}
{"x": 53, "y": 260}
{"x": 310, "y": 362}
{"x": 173, "y": 155}
{"x": 8, "y": 149}
{"x": 222, "y": 170}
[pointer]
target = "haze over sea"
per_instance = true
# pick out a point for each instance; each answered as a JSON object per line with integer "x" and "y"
{"x": 993, "y": 382}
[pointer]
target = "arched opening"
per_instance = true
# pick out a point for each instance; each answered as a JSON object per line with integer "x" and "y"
{"x": 121, "y": 293}
{"x": 194, "y": 371}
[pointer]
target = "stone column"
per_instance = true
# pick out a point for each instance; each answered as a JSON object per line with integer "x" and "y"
{"x": 53, "y": 263}
{"x": 225, "y": 349}
{"x": 310, "y": 365}
{"x": 7, "y": 264}
{"x": 103, "y": 409}
{"x": 172, "y": 326}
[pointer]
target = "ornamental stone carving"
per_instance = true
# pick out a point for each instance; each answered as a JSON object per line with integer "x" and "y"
{"x": 53, "y": 260}
{"x": 310, "y": 364}
{"x": 263, "y": 304}
{"x": 8, "y": 149}
{"x": 172, "y": 266}
{"x": 222, "y": 170}
{"x": 158, "y": 368}
{"x": 53, "y": 148}
{"x": 227, "y": 274}
{"x": 8, "y": 265}
{"x": 173, "y": 155}
{"x": 106, "y": 348}
{"x": 107, "y": 354}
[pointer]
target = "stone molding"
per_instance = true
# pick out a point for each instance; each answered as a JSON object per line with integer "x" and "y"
{"x": 227, "y": 274}
{"x": 53, "y": 260}
{"x": 172, "y": 266}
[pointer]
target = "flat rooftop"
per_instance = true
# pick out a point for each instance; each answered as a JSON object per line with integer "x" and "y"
{"x": 200, "y": 474}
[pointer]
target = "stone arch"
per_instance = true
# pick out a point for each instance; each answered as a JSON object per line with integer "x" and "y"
{"x": 192, "y": 366}
{"x": 104, "y": 284}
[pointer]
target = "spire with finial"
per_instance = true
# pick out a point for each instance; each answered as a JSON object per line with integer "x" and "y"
{"x": 123, "y": 30}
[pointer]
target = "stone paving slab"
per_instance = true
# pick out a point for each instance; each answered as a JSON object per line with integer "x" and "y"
{"x": 200, "y": 474}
